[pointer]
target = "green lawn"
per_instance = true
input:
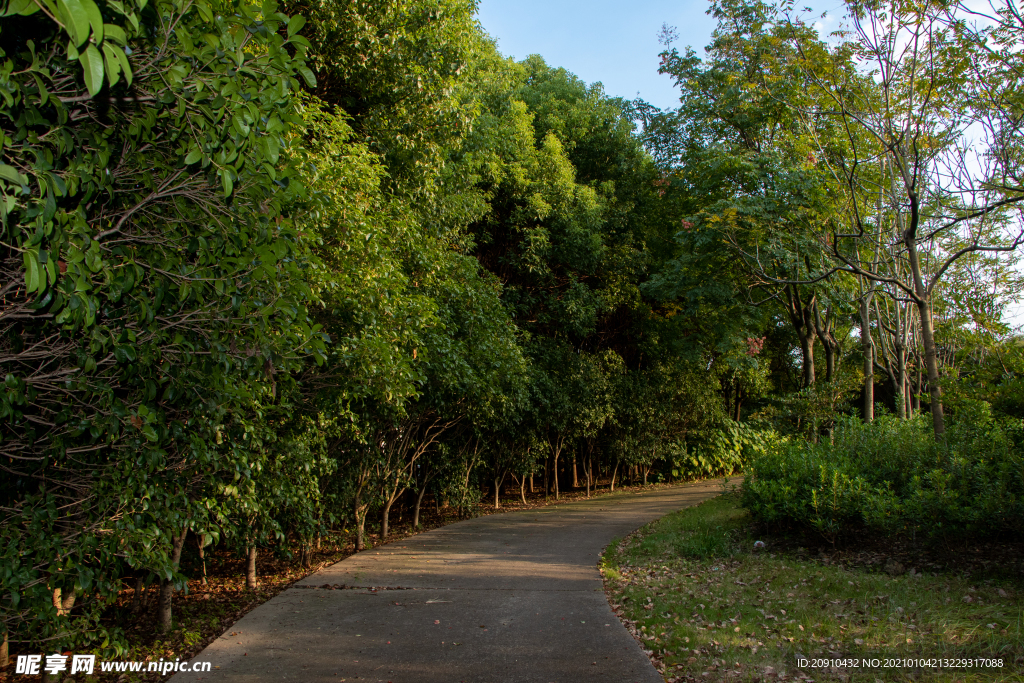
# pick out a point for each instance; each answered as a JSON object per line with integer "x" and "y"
{"x": 708, "y": 606}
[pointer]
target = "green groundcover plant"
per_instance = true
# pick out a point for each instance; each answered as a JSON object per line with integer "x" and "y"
{"x": 892, "y": 476}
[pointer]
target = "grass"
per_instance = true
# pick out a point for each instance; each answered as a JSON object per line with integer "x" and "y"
{"x": 706, "y": 605}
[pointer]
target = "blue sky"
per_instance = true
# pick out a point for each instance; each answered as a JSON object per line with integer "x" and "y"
{"x": 610, "y": 41}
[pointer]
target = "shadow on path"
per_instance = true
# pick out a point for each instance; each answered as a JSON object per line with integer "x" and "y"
{"x": 502, "y": 598}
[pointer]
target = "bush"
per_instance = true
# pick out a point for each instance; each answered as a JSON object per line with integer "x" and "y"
{"x": 891, "y": 476}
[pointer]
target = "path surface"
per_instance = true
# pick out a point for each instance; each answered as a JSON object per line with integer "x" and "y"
{"x": 497, "y": 599}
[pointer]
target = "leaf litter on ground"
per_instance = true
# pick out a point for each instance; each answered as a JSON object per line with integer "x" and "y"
{"x": 706, "y": 605}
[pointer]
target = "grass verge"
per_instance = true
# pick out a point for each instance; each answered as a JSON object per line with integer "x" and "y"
{"x": 706, "y": 605}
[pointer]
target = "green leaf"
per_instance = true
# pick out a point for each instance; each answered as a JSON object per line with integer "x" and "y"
{"x": 33, "y": 272}
{"x": 273, "y": 148}
{"x": 204, "y": 11}
{"x": 125, "y": 66}
{"x": 227, "y": 181}
{"x": 21, "y": 7}
{"x": 92, "y": 64}
{"x": 113, "y": 65}
{"x": 295, "y": 24}
{"x": 76, "y": 20}
{"x": 307, "y": 76}
{"x": 10, "y": 173}
{"x": 95, "y": 19}
{"x": 193, "y": 156}
{"x": 115, "y": 33}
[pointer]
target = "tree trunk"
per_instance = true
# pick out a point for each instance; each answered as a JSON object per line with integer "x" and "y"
{"x": 575, "y": 478}
{"x": 908, "y": 391}
{"x": 250, "y": 567}
{"x": 137, "y": 598}
{"x": 823, "y": 331}
{"x": 807, "y": 352}
{"x": 924, "y": 308}
{"x": 522, "y": 488}
{"x": 165, "y": 618}
{"x": 614, "y": 472}
{"x": 202, "y": 554}
{"x": 554, "y": 473}
{"x": 419, "y": 502}
{"x": 801, "y": 319}
{"x": 547, "y": 479}
{"x": 916, "y": 401}
{"x": 932, "y": 364}
{"x": 497, "y": 492}
{"x": 901, "y": 390}
{"x": 531, "y": 482}
{"x": 359, "y": 511}
{"x": 590, "y": 466}
{"x": 868, "y": 349}
{"x": 385, "y": 515}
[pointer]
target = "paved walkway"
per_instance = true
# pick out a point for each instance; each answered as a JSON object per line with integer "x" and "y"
{"x": 499, "y": 599}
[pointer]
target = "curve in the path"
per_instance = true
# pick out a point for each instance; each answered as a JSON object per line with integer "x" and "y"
{"x": 497, "y": 599}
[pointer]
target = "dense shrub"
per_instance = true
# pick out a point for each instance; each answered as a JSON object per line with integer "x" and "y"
{"x": 892, "y": 476}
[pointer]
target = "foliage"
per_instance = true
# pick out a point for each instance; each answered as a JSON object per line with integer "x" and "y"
{"x": 891, "y": 477}
{"x": 146, "y": 254}
{"x": 268, "y": 274}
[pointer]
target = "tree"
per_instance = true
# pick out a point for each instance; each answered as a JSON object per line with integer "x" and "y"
{"x": 148, "y": 257}
{"x": 938, "y": 155}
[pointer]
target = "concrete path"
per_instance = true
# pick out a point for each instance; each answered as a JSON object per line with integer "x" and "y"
{"x": 502, "y": 599}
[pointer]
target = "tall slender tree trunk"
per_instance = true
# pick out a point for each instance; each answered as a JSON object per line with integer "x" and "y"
{"x": 924, "y": 308}
{"x": 801, "y": 319}
{"x": 614, "y": 472}
{"x": 931, "y": 363}
{"x": 164, "y": 615}
{"x": 868, "y": 349}
{"x": 807, "y": 352}
{"x": 554, "y": 474}
{"x": 547, "y": 481}
{"x": 908, "y": 391}
{"x": 916, "y": 400}
{"x": 497, "y": 492}
{"x": 522, "y": 488}
{"x": 202, "y": 554}
{"x": 419, "y": 504}
{"x": 385, "y": 516}
{"x": 137, "y": 598}
{"x": 823, "y": 331}
{"x": 901, "y": 389}
{"x": 359, "y": 512}
{"x": 589, "y": 472}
